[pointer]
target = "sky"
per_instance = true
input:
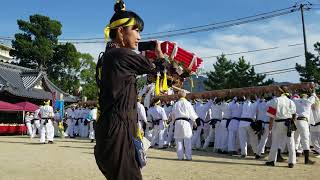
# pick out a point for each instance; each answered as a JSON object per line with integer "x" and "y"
{"x": 86, "y": 19}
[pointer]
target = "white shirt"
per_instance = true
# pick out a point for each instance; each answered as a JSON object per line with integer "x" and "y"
{"x": 46, "y": 111}
{"x": 57, "y": 116}
{"x": 281, "y": 108}
{"x": 236, "y": 109}
{"x": 36, "y": 114}
{"x": 28, "y": 118}
{"x": 69, "y": 112}
{"x": 157, "y": 113}
{"x": 262, "y": 112}
{"x": 303, "y": 106}
{"x": 183, "y": 109}
{"x": 249, "y": 110}
{"x": 226, "y": 111}
{"x": 202, "y": 109}
{"x": 216, "y": 112}
{"x": 141, "y": 112}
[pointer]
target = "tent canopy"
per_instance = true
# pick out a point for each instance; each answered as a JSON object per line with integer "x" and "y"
{"x": 27, "y": 106}
{"x": 5, "y": 106}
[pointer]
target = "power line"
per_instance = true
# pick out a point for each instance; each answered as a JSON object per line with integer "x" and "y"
{"x": 251, "y": 51}
{"x": 267, "y": 62}
{"x": 222, "y": 22}
{"x": 197, "y": 27}
{"x": 271, "y": 74}
{"x": 277, "y": 70}
{"x": 221, "y": 26}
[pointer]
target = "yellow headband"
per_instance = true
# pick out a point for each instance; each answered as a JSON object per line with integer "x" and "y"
{"x": 47, "y": 102}
{"x": 125, "y": 22}
{"x": 157, "y": 103}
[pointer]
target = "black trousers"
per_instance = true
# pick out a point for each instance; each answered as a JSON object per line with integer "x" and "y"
{"x": 114, "y": 150}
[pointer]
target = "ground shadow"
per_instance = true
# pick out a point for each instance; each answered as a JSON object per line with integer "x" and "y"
{"x": 207, "y": 161}
{"x": 80, "y": 147}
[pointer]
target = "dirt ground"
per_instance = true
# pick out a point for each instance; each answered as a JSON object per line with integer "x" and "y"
{"x": 72, "y": 159}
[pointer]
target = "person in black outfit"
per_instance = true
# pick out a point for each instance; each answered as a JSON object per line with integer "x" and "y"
{"x": 116, "y": 79}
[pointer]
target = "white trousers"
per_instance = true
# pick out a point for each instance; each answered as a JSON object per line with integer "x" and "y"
{"x": 29, "y": 127}
{"x": 157, "y": 136}
{"x": 247, "y": 136}
{"x": 91, "y": 130}
{"x": 196, "y": 138}
{"x": 302, "y": 136}
{"x": 148, "y": 131}
{"x": 233, "y": 132}
{"x": 84, "y": 130}
{"x": 46, "y": 130}
{"x": 69, "y": 130}
{"x": 184, "y": 148}
{"x": 315, "y": 138}
{"x": 222, "y": 139}
{"x": 279, "y": 134}
{"x": 36, "y": 125}
{"x": 56, "y": 129}
{"x": 209, "y": 138}
{"x": 76, "y": 128}
{"x": 263, "y": 140}
{"x": 170, "y": 133}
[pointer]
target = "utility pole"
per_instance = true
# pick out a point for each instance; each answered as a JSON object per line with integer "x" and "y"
{"x": 304, "y": 32}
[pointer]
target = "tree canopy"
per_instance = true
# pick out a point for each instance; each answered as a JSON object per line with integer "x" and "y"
{"x": 228, "y": 74}
{"x": 311, "y": 71}
{"x": 37, "y": 47}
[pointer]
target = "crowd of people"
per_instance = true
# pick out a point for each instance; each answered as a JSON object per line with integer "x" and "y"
{"x": 285, "y": 123}
{"x": 75, "y": 122}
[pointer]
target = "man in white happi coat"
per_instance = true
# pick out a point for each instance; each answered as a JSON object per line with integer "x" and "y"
{"x": 215, "y": 115}
{"x": 170, "y": 129}
{"x": 46, "y": 126}
{"x": 246, "y": 133}
{"x": 77, "y": 121}
{"x": 27, "y": 119}
{"x": 142, "y": 116}
{"x": 57, "y": 118}
{"x": 184, "y": 116}
{"x": 223, "y": 129}
{"x": 303, "y": 110}
{"x": 84, "y": 126}
{"x": 281, "y": 111}
{"x": 92, "y": 118}
{"x": 157, "y": 116}
{"x": 36, "y": 122}
{"x": 315, "y": 127}
{"x": 70, "y": 116}
{"x": 263, "y": 118}
{"x": 233, "y": 128}
{"x": 202, "y": 112}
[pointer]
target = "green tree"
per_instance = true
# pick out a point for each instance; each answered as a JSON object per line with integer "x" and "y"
{"x": 34, "y": 47}
{"x": 37, "y": 47}
{"x": 311, "y": 71}
{"x": 64, "y": 67}
{"x": 220, "y": 77}
{"x": 228, "y": 75}
{"x": 87, "y": 76}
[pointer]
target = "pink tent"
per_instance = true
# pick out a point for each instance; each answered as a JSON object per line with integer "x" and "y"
{"x": 4, "y": 106}
{"x": 27, "y": 106}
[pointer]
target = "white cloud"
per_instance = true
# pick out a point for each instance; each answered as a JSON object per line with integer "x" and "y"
{"x": 93, "y": 49}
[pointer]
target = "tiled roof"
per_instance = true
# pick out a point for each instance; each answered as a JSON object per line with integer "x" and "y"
{"x": 20, "y": 81}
